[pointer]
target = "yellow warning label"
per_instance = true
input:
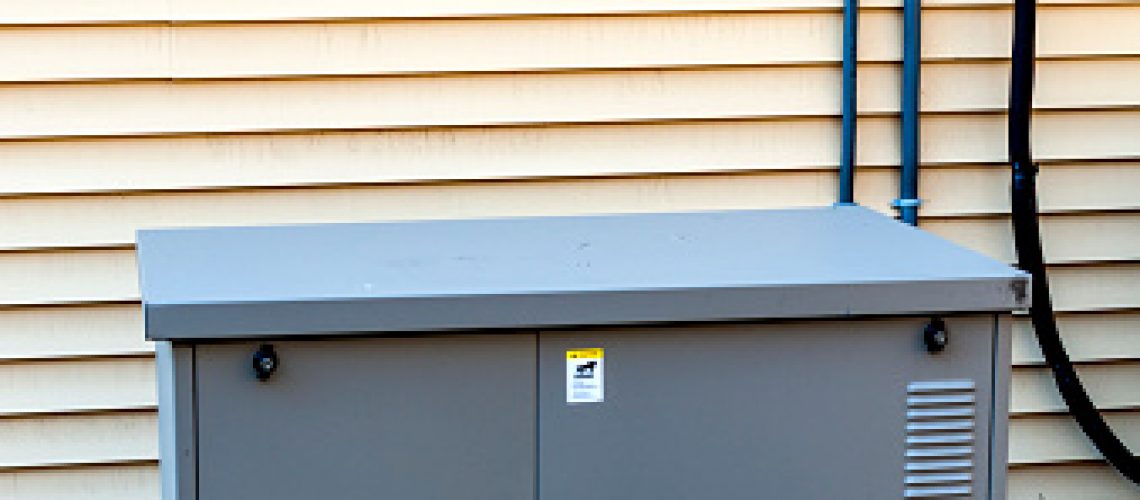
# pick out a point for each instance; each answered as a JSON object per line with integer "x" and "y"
{"x": 590, "y": 353}
{"x": 585, "y": 375}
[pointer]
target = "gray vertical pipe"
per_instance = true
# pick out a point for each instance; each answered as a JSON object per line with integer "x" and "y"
{"x": 850, "y": 111}
{"x": 908, "y": 201}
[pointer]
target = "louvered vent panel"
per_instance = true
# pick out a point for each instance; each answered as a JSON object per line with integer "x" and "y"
{"x": 939, "y": 439}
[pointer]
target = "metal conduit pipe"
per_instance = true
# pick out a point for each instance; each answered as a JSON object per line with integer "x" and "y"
{"x": 849, "y": 108}
{"x": 1027, "y": 239}
{"x": 908, "y": 202}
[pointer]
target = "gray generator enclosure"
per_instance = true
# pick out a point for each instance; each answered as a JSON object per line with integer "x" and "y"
{"x": 818, "y": 353}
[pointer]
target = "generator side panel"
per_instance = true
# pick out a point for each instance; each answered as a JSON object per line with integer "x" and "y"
{"x": 1002, "y": 380}
{"x": 418, "y": 417}
{"x": 178, "y": 456}
{"x": 813, "y": 409}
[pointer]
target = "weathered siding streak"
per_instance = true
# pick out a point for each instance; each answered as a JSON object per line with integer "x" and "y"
{"x": 125, "y": 114}
{"x": 598, "y": 97}
{"x": 220, "y": 51}
{"x": 314, "y": 157}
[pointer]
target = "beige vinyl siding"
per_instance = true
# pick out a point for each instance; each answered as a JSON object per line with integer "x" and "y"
{"x": 113, "y": 224}
{"x": 1111, "y": 385}
{"x": 124, "y": 481}
{"x": 76, "y": 439}
{"x": 91, "y": 331}
{"x": 126, "y": 114}
{"x": 121, "y": 165}
{"x": 1056, "y": 438}
{"x": 198, "y": 107}
{"x": 143, "y": 11}
{"x": 1089, "y": 337}
{"x": 1069, "y": 482}
{"x": 555, "y": 44}
{"x": 96, "y": 384}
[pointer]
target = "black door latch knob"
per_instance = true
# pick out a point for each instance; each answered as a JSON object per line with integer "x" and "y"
{"x": 935, "y": 336}
{"x": 265, "y": 362}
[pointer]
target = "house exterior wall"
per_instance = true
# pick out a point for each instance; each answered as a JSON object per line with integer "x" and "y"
{"x": 126, "y": 114}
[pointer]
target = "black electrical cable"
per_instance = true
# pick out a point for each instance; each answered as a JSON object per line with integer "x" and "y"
{"x": 1027, "y": 239}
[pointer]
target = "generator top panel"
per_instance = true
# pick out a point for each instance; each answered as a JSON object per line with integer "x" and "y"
{"x": 248, "y": 282}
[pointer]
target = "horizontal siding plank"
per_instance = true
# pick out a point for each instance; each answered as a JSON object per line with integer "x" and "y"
{"x": 97, "y": 220}
{"x": 475, "y": 100}
{"x": 985, "y": 189}
{"x": 68, "y": 332}
{"x": 88, "y": 221}
{"x": 396, "y": 48}
{"x": 1056, "y": 438}
{"x": 269, "y": 160}
{"x": 226, "y": 51}
{"x": 71, "y": 277}
{"x": 1095, "y": 287}
{"x": 76, "y": 386}
{"x": 217, "y": 107}
{"x": 78, "y": 439}
{"x": 117, "y": 482}
{"x": 1061, "y": 32}
{"x": 112, "y": 11}
{"x": 1068, "y": 238}
{"x": 1087, "y": 337}
{"x": 983, "y": 86}
{"x": 1069, "y": 482}
{"x": 412, "y": 156}
{"x": 109, "y": 276}
{"x": 1100, "y": 186}
{"x": 109, "y": 220}
{"x": 1111, "y": 386}
{"x": 1072, "y": 31}
{"x": 1072, "y": 135}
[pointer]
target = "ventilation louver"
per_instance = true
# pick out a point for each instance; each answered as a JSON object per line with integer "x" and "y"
{"x": 939, "y": 438}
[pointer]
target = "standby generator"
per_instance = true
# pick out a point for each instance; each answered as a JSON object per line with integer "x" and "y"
{"x": 795, "y": 354}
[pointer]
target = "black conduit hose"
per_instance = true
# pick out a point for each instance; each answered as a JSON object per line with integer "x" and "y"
{"x": 1027, "y": 239}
